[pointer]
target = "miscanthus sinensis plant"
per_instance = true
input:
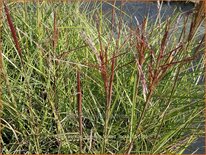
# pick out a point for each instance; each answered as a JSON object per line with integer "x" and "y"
{"x": 80, "y": 80}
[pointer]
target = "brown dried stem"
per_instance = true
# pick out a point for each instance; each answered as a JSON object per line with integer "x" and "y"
{"x": 13, "y": 32}
{"x": 79, "y": 103}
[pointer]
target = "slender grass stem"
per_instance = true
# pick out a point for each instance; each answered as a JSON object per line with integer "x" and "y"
{"x": 129, "y": 149}
{"x": 134, "y": 101}
{"x": 13, "y": 32}
{"x": 79, "y": 103}
{"x": 168, "y": 103}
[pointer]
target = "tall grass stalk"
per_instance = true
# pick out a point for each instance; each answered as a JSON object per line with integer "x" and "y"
{"x": 79, "y": 103}
{"x": 13, "y": 31}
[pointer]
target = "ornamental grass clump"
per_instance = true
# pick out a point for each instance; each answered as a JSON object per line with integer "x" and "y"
{"x": 81, "y": 80}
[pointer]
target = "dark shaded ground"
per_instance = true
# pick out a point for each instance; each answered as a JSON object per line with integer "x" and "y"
{"x": 198, "y": 147}
{"x": 142, "y": 9}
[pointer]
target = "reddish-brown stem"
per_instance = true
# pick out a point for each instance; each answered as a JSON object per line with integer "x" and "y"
{"x": 111, "y": 79}
{"x": 163, "y": 44}
{"x": 79, "y": 103}
{"x": 13, "y": 32}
